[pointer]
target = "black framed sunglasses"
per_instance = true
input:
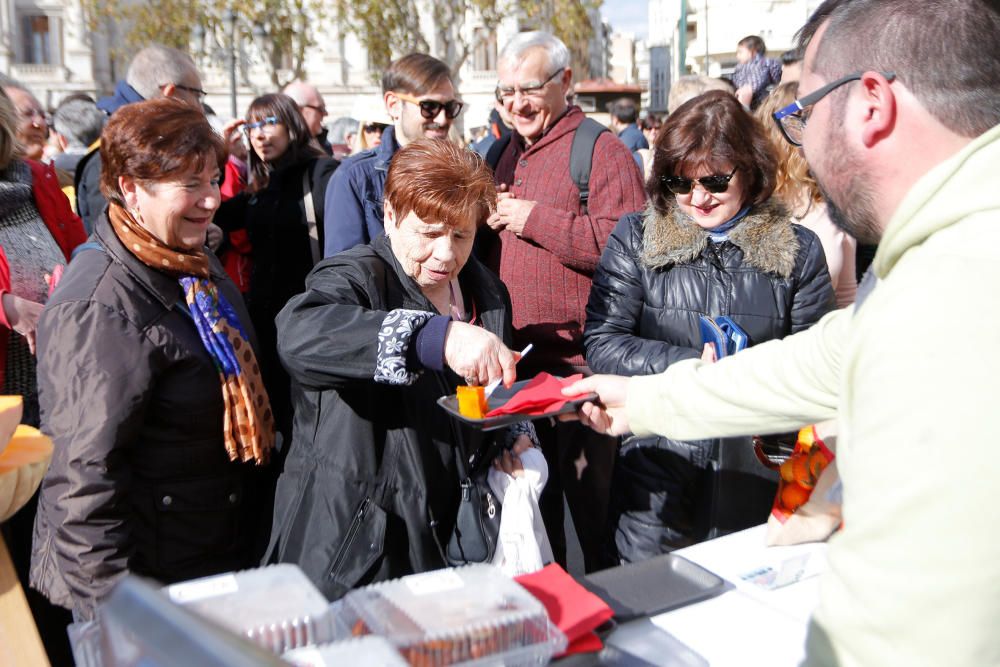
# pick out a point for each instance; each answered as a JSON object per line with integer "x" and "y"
{"x": 372, "y": 128}
{"x": 429, "y": 109}
{"x": 792, "y": 119}
{"x": 714, "y": 184}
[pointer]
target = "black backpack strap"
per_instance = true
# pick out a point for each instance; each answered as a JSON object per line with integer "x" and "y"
{"x": 496, "y": 150}
{"x": 581, "y": 157}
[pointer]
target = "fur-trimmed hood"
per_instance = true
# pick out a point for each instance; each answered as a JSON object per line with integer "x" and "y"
{"x": 765, "y": 236}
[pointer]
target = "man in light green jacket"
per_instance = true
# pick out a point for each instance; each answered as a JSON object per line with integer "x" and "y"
{"x": 906, "y": 147}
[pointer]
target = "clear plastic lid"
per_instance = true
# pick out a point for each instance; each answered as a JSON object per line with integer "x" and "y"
{"x": 276, "y": 606}
{"x": 369, "y": 651}
{"x": 454, "y": 616}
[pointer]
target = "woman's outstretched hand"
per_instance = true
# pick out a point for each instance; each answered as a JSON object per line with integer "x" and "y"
{"x": 607, "y": 415}
{"x": 478, "y": 355}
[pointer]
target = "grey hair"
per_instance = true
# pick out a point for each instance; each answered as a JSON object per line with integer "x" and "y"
{"x": 157, "y": 66}
{"x": 340, "y": 128}
{"x": 516, "y": 49}
{"x": 79, "y": 121}
{"x": 8, "y": 82}
{"x": 9, "y": 148}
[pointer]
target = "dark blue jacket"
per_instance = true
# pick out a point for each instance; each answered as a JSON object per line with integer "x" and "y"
{"x": 633, "y": 138}
{"x": 354, "y": 197}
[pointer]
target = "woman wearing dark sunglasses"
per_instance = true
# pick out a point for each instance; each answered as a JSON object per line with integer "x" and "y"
{"x": 281, "y": 214}
{"x": 711, "y": 243}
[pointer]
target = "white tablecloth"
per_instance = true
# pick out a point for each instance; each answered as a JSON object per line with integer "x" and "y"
{"x": 748, "y": 624}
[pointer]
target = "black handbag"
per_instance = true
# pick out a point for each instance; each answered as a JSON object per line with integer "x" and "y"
{"x": 477, "y": 522}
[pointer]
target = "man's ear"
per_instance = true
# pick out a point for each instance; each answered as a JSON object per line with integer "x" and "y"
{"x": 393, "y": 105}
{"x": 878, "y": 104}
{"x": 169, "y": 90}
{"x": 567, "y": 80}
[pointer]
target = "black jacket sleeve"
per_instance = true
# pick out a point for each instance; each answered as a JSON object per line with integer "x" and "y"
{"x": 328, "y": 335}
{"x": 616, "y": 300}
{"x": 93, "y": 400}
{"x": 814, "y": 295}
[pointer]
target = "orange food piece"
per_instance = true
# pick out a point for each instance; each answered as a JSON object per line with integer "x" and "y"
{"x": 472, "y": 402}
{"x": 817, "y": 463}
{"x": 787, "y": 470}
{"x": 793, "y": 496}
{"x": 807, "y": 436}
{"x": 801, "y": 473}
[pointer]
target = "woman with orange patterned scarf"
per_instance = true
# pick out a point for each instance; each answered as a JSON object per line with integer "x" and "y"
{"x": 148, "y": 379}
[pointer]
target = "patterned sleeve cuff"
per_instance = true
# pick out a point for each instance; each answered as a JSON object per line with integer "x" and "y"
{"x": 395, "y": 336}
{"x": 515, "y": 431}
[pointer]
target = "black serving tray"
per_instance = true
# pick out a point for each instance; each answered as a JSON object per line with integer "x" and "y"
{"x": 653, "y": 586}
{"x": 498, "y": 399}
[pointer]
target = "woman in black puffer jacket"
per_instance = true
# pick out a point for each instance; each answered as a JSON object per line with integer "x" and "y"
{"x": 709, "y": 243}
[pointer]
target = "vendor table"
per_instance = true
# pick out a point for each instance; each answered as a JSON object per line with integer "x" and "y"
{"x": 748, "y": 624}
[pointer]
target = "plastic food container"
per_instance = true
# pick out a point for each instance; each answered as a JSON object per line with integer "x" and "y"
{"x": 468, "y": 616}
{"x": 369, "y": 651}
{"x": 275, "y": 606}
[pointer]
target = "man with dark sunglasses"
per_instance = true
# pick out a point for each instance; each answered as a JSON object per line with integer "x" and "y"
{"x": 904, "y": 141}
{"x": 420, "y": 98}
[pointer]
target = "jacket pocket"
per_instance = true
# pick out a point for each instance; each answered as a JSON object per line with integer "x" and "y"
{"x": 197, "y": 525}
{"x": 362, "y": 546}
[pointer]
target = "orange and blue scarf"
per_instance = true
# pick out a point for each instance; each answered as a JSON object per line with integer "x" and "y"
{"x": 248, "y": 423}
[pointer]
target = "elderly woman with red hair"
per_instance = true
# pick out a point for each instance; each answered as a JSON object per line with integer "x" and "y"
{"x": 148, "y": 378}
{"x": 370, "y": 487}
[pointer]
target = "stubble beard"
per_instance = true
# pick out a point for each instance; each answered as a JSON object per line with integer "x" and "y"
{"x": 851, "y": 207}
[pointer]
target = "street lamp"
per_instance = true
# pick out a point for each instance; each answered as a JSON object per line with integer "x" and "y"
{"x": 229, "y": 23}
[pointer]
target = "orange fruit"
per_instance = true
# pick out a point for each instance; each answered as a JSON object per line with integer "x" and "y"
{"x": 793, "y": 496}
{"x": 801, "y": 472}
{"x": 817, "y": 463}
{"x": 787, "y": 471}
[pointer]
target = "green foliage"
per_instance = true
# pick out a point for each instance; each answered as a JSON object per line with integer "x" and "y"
{"x": 289, "y": 26}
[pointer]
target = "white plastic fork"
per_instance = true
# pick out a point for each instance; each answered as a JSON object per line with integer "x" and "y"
{"x": 492, "y": 386}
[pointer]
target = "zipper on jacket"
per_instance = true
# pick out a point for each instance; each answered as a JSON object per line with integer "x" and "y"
{"x": 352, "y": 532}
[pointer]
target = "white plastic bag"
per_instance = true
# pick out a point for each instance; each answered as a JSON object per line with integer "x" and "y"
{"x": 522, "y": 545}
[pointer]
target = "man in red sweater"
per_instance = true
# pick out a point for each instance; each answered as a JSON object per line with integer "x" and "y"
{"x": 548, "y": 250}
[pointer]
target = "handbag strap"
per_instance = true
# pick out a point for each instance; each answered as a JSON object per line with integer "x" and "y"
{"x": 307, "y": 202}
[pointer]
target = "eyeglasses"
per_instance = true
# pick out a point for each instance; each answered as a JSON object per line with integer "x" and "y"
{"x": 318, "y": 108}
{"x": 429, "y": 109}
{"x": 373, "y": 128}
{"x": 197, "y": 92}
{"x": 530, "y": 89}
{"x": 714, "y": 184}
{"x": 792, "y": 119}
{"x": 265, "y": 124}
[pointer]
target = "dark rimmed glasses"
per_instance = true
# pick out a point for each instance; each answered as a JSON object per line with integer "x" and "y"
{"x": 318, "y": 108}
{"x": 714, "y": 184}
{"x": 792, "y": 119}
{"x": 197, "y": 92}
{"x": 531, "y": 89}
{"x": 429, "y": 109}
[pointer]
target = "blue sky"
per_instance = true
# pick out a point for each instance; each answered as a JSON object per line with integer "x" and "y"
{"x": 627, "y": 16}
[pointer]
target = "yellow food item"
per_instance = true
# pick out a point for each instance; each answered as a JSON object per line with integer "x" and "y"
{"x": 10, "y": 416}
{"x": 472, "y": 402}
{"x": 22, "y": 465}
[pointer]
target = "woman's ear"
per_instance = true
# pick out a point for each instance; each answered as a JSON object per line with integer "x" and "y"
{"x": 389, "y": 216}
{"x": 129, "y": 189}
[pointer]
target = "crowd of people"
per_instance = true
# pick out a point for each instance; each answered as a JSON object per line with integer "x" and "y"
{"x": 237, "y": 340}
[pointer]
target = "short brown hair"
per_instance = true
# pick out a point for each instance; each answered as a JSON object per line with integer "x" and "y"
{"x": 154, "y": 140}
{"x": 441, "y": 183}
{"x": 415, "y": 74}
{"x": 713, "y": 130}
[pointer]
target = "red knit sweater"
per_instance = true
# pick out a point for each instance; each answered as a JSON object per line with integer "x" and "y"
{"x": 548, "y": 269}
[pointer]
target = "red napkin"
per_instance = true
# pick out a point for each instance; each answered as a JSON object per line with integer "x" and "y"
{"x": 540, "y": 396}
{"x": 571, "y": 607}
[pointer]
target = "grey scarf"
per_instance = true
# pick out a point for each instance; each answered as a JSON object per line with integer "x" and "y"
{"x": 15, "y": 187}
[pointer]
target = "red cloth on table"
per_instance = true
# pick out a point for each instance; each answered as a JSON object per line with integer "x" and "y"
{"x": 571, "y": 607}
{"x": 541, "y": 395}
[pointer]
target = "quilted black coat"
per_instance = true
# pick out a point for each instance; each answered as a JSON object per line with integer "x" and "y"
{"x": 659, "y": 273}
